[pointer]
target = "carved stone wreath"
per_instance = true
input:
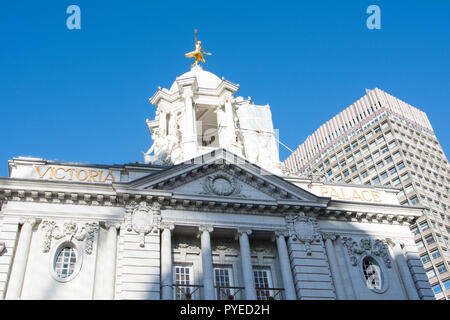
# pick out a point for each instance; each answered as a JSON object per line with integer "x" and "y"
{"x": 221, "y": 185}
{"x": 368, "y": 247}
{"x": 70, "y": 230}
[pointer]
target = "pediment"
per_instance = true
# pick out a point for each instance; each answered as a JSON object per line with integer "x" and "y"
{"x": 225, "y": 175}
{"x": 223, "y": 184}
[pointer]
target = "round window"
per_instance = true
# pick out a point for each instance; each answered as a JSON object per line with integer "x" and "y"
{"x": 372, "y": 274}
{"x": 65, "y": 262}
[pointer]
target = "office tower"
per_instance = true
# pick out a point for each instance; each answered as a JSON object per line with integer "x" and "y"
{"x": 381, "y": 140}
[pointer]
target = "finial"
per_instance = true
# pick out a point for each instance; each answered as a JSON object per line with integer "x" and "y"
{"x": 197, "y": 53}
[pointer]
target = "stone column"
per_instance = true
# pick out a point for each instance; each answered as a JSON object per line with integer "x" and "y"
{"x": 111, "y": 259}
{"x": 207, "y": 264}
{"x": 334, "y": 266}
{"x": 166, "y": 262}
{"x": 20, "y": 259}
{"x": 162, "y": 120}
{"x": 229, "y": 134}
{"x": 190, "y": 129}
{"x": 402, "y": 266}
{"x": 344, "y": 267}
{"x": 247, "y": 268}
{"x": 286, "y": 271}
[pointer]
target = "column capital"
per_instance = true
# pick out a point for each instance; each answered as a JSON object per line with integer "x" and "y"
{"x": 240, "y": 231}
{"x": 111, "y": 224}
{"x": 280, "y": 232}
{"x": 167, "y": 225}
{"x": 203, "y": 228}
{"x": 29, "y": 220}
{"x": 187, "y": 93}
{"x": 329, "y": 236}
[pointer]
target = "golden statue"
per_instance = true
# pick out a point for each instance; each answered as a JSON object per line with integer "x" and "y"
{"x": 197, "y": 53}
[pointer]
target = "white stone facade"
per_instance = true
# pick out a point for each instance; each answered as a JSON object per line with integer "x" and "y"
{"x": 213, "y": 226}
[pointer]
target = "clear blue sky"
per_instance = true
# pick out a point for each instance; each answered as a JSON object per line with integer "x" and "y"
{"x": 82, "y": 95}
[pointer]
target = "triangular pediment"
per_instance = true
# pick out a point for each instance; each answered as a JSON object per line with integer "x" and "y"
{"x": 221, "y": 174}
{"x": 222, "y": 183}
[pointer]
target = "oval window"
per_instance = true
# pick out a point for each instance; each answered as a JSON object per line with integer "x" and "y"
{"x": 372, "y": 274}
{"x": 65, "y": 262}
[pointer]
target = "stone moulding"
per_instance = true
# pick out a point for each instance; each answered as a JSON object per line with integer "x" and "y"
{"x": 232, "y": 172}
{"x": 221, "y": 184}
{"x": 69, "y": 230}
{"x": 62, "y": 197}
{"x": 143, "y": 219}
{"x": 367, "y": 247}
{"x": 282, "y": 206}
{"x": 304, "y": 229}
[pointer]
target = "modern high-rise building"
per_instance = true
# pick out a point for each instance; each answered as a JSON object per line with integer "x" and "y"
{"x": 381, "y": 140}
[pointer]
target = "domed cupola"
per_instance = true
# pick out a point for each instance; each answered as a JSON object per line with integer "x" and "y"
{"x": 205, "y": 79}
{"x": 199, "y": 114}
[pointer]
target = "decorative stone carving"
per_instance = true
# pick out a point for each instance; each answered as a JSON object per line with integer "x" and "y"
{"x": 186, "y": 246}
{"x": 304, "y": 229}
{"x": 29, "y": 220}
{"x": 240, "y": 231}
{"x": 225, "y": 246}
{"x": 167, "y": 225}
{"x": 261, "y": 250}
{"x": 225, "y": 249}
{"x": 89, "y": 231}
{"x": 278, "y": 233}
{"x": 222, "y": 185}
{"x": 203, "y": 228}
{"x": 144, "y": 220}
{"x": 329, "y": 236}
{"x": 69, "y": 230}
{"x": 368, "y": 247}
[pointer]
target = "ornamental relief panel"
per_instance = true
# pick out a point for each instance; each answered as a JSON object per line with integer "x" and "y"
{"x": 224, "y": 180}
{"x": 69, "y": 230}
{"x": 366, "y": 246}
{"x": 263, "y": 252}
{"x": 222, "y": 184}
{"x": 304, "y": 229}
{"x": 143, "y": 219}
{"x": 185, "y": 245}
{"x": 225, "y": 246}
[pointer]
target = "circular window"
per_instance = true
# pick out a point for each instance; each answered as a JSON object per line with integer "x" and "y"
{"x": 372, "y": 274}
{"x": 66, "y": 262}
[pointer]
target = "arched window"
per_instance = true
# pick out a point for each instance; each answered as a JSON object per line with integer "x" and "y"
{"x": 372, "y": 273}
{"x": 65, "y": 261}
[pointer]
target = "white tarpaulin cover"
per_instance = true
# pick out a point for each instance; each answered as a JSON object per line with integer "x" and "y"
{"x": 253, "y": 117}
{"x": 255, "y": 123}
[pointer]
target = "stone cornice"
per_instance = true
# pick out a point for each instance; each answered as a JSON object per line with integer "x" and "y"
{"x": 369, "y": 217}
{"x": 374, "y": 207}
{"x": 53, "y": 195}
{"x": 289, "y": 199}
{"x": 385, "y": 215}
{"x": 372, "y": 213}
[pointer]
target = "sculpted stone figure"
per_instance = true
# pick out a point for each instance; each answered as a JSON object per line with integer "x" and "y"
{"x": 166, "y": 149}
{"x": 176, "y": 152}
{"x": 159, "y": 148}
